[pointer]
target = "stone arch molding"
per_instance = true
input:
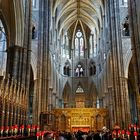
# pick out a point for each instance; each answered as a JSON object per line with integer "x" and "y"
{"x": 93, "y": 89}
{"x": 66, "y": 86}
{"x": 14, "y": 19}
{"x": 5, "y": 25}
{"x": 19, "y": 22}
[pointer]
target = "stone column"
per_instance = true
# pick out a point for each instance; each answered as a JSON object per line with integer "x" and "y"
{"x": 54, "y": 100}
{"x": 111, "y": 108}
{"x": 104, "y": 100}
{"x": 117, "y": 61}
{"x": 94, "y": 102}
{"x": 50, "y": 96}
{"x": 43, "y": 57}
{"x": 125, "y": 102}
{"x": 60, "y": 103}
{"x": 57, "y": 102}
{"x": 101, "y": 102}
{"x": 14, "y": 61}
{"x": 35, "y": 103}
{"x": 135, "y": 37}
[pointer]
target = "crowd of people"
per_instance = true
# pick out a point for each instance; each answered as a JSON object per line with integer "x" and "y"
{"x": 104, "y": 134}
{"x": 91, "y": 135}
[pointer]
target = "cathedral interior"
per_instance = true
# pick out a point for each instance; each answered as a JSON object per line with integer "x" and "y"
{"x": 70, "y": 64}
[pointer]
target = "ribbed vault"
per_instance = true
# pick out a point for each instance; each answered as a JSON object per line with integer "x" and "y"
{"x": 67, "y": 12}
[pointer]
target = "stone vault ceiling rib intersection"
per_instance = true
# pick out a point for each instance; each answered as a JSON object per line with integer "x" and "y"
{"x": 68, "y": 11}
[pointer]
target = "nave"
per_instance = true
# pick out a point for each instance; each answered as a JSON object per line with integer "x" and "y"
{"x": 68, "y": 66}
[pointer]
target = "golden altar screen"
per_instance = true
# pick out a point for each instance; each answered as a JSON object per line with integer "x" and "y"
{"x": 85, "y": 119}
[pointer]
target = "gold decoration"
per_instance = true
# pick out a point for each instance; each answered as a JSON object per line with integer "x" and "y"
{"x": 83, "y": 118}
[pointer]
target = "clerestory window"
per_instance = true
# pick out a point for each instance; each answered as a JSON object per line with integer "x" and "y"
{"x": 79, "y": 44}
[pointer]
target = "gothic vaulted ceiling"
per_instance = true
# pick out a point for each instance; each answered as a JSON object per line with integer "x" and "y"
{"x": 68, "y": 12}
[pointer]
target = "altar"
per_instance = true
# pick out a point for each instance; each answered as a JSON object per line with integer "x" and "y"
{"x": 84, "y": 119}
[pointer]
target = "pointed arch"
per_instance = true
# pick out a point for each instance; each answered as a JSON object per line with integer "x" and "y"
{"x": 80, "y": 69}
{"x": 79, "y": 85}
{"x": 66, "y": 95}
{"x": 13, "y": 15}
{"x": 6, "y": 28}
{"x": 92, "y": 96}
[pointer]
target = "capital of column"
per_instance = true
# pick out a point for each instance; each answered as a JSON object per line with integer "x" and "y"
{"x": 125, "y": 78}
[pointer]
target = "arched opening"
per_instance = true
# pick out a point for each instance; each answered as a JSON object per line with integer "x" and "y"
{"x": 3, "y": 47}
{"x": 125, "y": 30}
{"x": 80, "y": 97}
{"x": 79, "y": 70}
{"x": 92, "y": 69}
{"x": 66, "y": 95}
{"x": 63, "y": 122}
{"x": 66, "y": 68}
